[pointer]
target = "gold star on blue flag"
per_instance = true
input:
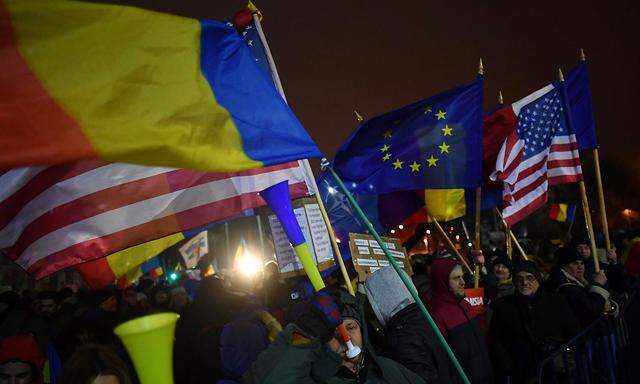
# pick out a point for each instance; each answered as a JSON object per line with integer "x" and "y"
{"x": 442, "y": 148}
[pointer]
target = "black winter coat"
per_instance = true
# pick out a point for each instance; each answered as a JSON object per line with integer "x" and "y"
{"x": 587, "y": 303}
{"x": 524, "y": 330}
{"x": 411, "y": 341}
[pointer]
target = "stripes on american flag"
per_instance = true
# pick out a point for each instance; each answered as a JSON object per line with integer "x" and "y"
{"x": 54, "y": 217}
{"x": 540, "y": 152}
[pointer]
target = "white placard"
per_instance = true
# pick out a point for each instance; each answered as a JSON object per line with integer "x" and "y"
{"x": 194, "y": 249}
{"x": 373, "y": 243}
{"x": 364, "y": 250}
{"x": 319, "y": 234}
{"x": 397, "y": 254}
{"x": 390, "y": 245}
{"x": 373, "y": 269}
{"x": 287, "y": 259}
{"x": 361, "y": 242}
{"x": 383, "y": 263}
{"x": 378, "y": 251}
{"x": 367, "y": 262}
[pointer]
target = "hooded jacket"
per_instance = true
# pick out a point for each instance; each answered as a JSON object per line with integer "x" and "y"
{"x": 23, "y": 348}
{"x": 297, "y": 357}
{"x": 409, "y": 339}
{"x": 458, "y": 324}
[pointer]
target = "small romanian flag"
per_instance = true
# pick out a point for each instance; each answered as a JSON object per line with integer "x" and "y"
{"x": 562, "y": 212}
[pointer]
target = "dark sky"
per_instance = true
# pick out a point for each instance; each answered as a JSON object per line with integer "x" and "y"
{"x": 337, "y": 56}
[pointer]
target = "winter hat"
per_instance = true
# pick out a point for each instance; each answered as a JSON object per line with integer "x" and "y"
{"x": 502, "y": 260}
{"x": 528, "y": 266}
{"x": 567, "y": 255}
{"x": 21, "y": 348}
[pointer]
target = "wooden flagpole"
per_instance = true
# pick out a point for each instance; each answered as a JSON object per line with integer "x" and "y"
{"x": 596, "y": 163}
{"x": 450, "y": 244}
{"x": 511, "y": 236}
{"x": 305, "y": 162}
{"x": 478, "y": 245}
{"x": 581, "y": 186}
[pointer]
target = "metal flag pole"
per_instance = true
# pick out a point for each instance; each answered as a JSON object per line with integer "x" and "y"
{"x": 596, "y": 163}
{"x": 394, "y": 264}
{"x": 305, "y": 162}
{"x": 581, "y": 186}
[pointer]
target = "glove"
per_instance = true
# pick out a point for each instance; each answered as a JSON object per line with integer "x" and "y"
{"x": 322, "y": 316}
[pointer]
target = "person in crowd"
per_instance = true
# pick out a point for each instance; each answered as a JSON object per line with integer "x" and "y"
{"x": 179, "y": 300}
{"x": 409, "y": 339}
{"x": 630, "y": 246}
{"x": 198, "y": 333}
{"x": 457, "y": 321}
{"x": 46, "y": 305}
{"x": 311, "y": 351}
{"x": 498, "y": 283}
{"x": 95, "y": 364}
{"x": 422, "y": 273}
{"x": 527, "y": 326}
{"x": 588, "y": 300}
{"x": 160, "y": 299}
{"x": 617, "y": 277}
{"x": 21, "y": 360}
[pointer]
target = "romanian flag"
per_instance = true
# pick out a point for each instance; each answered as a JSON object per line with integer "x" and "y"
{"x": 562, "y": 212}
{"x": 84, "y": 80}
{"x": 126, "y": 266}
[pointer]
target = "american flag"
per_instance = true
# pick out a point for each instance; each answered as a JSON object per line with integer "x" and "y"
{"x": 58, "y": 216}
{"x": 539, "y": 152}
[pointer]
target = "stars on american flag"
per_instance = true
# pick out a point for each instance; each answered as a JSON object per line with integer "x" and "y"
{"x": 540, "y": 122}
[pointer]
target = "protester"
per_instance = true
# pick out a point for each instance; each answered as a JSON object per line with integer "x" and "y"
{"x": 21, "y": 360}
{"x": 457, "y": 321}
{"x": 95, "y": 364}
{"x": 310, "y": 350}
{"x": 588, "y": 301}
{"x": 409, "y": 339}
{"x": 179, "y": 300}
{"x": 617, "y": 277}
{"x": 160, "y": 300}
{"x": 527, "y": 326}
{"x": 497, "y": 282}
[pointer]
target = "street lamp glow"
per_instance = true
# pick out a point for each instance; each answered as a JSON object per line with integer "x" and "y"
{"x": 393, "y": 231}
{"x": 248, "y": 265}
{"x": 400, "y": 226}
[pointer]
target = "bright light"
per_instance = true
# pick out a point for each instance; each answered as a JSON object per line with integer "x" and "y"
{"x": 400, "y": 226}
{"x": 337, "y": 240}
{"x": 626, "y": 212}
{"x": 457, "y": 237}
{"x": 331, "y": 190}
{"x": 393, "y": 231}
{"x": 248, "y": 265}
{"x": 470, "y": 244}
{"x": 173, "y": 276}
{"x": 428, "y": 231}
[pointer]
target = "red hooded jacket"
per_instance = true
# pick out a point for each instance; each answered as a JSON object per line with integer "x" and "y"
{"x": 22, "y": 348}
{"x": 458, "y": 324}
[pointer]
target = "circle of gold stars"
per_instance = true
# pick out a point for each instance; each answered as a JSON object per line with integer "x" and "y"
{"x": 431, "y": 161}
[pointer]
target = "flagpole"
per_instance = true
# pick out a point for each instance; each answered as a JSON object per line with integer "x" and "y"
{"x": 596, "y": 164}
{"x": 476, "y": 275}
{"x": 326, "y": 165}
{"x": 305, "y": 162}
{"x": 511, "y": 237}
{"x": 581, "y": 186}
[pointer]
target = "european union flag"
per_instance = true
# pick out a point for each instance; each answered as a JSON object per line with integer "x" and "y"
{"x": 433, "y": 143}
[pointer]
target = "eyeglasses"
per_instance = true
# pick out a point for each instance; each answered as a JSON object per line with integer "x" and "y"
{"x": 522, "y": 279}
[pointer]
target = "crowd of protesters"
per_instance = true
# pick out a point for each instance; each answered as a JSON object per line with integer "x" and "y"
{"x": 267, "y": 330}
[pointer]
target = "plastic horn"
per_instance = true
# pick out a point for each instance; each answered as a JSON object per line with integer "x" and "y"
{"x": 149, "y": 341}
{"x": 277, "y": 196}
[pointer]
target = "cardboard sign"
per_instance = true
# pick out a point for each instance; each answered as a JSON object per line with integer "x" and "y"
{"x": 368, "y": 256}
{"x": 194, "y": 249}
{"x": 315, "y": 233}
{"x": 475, "y": 297}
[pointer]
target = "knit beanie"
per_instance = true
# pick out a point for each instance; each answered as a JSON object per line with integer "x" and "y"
{"x": 567, "y": 255}
{"x": 528, "y": 266}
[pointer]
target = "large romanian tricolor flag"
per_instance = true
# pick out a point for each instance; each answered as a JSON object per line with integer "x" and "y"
{"x": 84, "y": 80}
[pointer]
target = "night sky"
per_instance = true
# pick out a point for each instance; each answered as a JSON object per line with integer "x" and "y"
{"x": 337, "y": 56}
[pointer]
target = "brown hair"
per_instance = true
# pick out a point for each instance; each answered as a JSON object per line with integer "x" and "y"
{"x": 91, "y": 361}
